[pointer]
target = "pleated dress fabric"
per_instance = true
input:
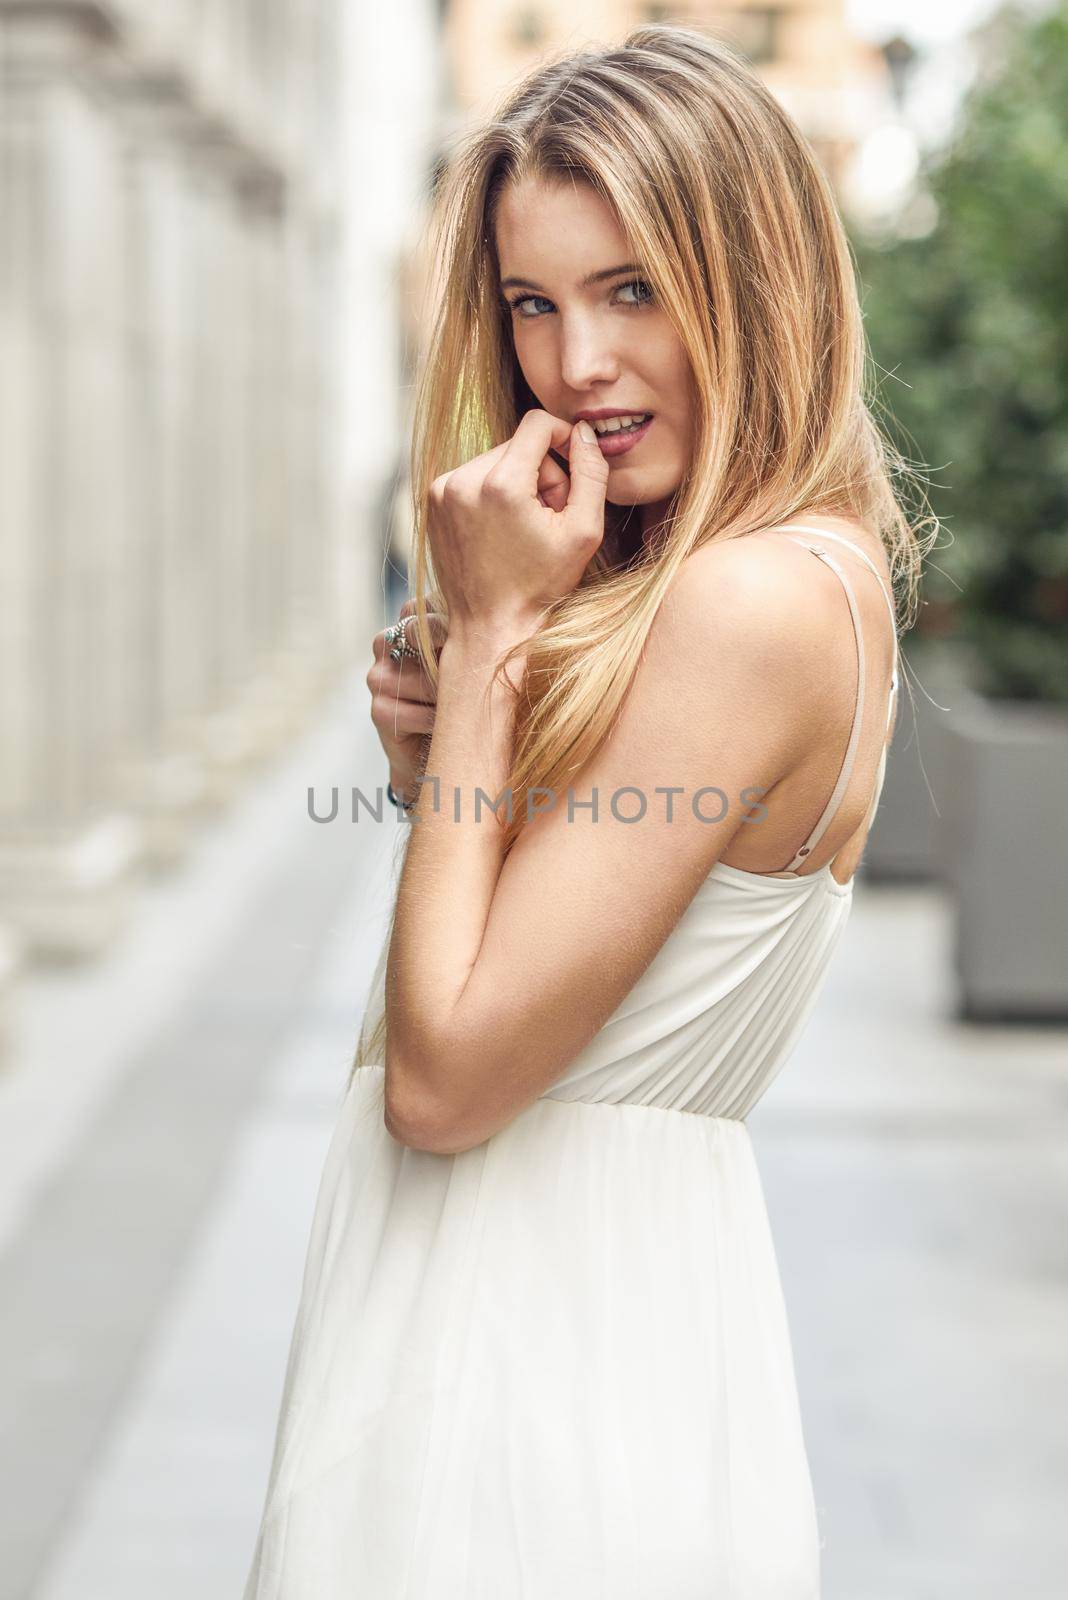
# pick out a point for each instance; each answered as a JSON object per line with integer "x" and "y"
{"x": 557, "y": 1366}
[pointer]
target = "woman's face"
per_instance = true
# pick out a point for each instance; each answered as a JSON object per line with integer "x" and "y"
{"x": 589, "y": 338}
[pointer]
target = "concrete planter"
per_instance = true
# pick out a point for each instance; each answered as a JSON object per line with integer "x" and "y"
{"x": 1004, "y": 850}
{"x": 904, "y": 843}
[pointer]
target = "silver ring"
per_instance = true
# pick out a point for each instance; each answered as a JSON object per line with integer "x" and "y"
{"x": 397, "y": 641}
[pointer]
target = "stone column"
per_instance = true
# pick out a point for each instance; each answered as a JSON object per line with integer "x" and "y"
{"x": 67, "y": 848}
{"x": 161, "y": 773}
{"x": 175, "y": 578}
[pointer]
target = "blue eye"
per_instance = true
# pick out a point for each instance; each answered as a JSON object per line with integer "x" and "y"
{"x": 638, "y": 283}
{"x": 525, "y": 300}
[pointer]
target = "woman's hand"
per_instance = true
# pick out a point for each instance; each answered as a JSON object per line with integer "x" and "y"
{"x": 510, "y": 531}
{"x": 403, "y": 701}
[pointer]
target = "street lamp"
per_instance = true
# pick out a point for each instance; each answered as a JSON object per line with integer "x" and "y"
{"x": 900, "y": 57}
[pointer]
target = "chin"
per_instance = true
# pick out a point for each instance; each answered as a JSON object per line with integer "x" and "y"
{"x": 633, "y": 497}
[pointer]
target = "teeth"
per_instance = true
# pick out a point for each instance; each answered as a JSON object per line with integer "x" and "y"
{"x": 613, "y": 424}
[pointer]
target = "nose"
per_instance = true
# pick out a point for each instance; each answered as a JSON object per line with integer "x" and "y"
{"x": 587, "y": 357}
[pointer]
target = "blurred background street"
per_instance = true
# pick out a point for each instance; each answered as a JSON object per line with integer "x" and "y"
{"x": 213, "y": 299}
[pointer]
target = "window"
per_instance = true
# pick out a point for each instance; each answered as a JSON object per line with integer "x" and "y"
{"x": 756, "y": 31}
{"x": 527, "y": 29}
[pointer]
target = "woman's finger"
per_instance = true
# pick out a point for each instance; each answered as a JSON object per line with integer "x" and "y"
{"x": 528, "y": 450}
{"x": 553, "y": 485}
{"x": 402, "y": 717}
{"x": 401, "y": 680}
{"x": 436, "y": 622}
{"x": 589, "y": 478}
{"x": 468, "y": 478}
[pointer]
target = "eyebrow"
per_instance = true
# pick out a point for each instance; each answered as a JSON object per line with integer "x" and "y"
{"x": 594, "y": 277}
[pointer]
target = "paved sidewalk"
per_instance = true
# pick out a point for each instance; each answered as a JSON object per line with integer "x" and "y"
{"x": 916, "y": 1175}
{"x": 125, "y": 1108}
{"x": 914, "y": 1168}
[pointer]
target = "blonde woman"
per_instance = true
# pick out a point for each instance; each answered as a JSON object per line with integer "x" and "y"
{"x": 541, "y": 1350}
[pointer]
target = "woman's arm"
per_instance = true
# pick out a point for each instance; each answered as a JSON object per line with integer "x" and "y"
{"x": 502, "y": 971}
{"x": 451, "y": 867}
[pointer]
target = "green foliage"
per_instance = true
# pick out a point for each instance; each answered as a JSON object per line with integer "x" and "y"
{"x": 969, "y": 328}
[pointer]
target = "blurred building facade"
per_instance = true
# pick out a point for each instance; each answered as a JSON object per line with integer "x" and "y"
{"x": 178, "y": 581}
{"x": 398, "y": 98}
{"x": 804, "y": 49}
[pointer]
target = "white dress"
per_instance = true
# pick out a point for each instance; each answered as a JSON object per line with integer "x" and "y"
{"x": 557, "y": 1366}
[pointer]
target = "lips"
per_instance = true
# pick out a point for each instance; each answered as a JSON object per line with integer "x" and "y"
{"x": 620, "y": 442}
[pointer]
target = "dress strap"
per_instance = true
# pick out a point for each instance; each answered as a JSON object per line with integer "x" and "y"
{"x": 838, "y": 538}
{"x": 854, "y": 734}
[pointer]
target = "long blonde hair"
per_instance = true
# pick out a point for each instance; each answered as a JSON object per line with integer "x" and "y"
{"x": 726, "y": 207}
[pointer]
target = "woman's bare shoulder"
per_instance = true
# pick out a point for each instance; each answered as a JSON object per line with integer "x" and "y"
{"x": 756, "y": 581}
{"x": 858, "y": 533}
